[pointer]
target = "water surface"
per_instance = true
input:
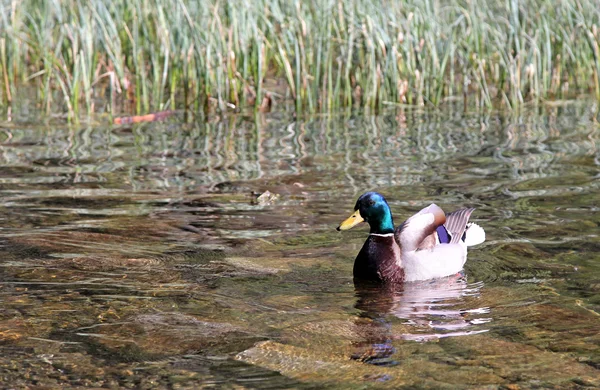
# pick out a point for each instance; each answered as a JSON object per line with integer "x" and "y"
{"x": 142, "y": 256}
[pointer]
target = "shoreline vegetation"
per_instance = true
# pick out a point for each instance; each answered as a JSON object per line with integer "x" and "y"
{"x": 139, "y": 56}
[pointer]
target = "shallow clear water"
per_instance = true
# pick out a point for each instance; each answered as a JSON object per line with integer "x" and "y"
{"x": 142, "y": 256}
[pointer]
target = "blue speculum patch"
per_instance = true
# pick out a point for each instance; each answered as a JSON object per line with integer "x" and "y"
{"x": 443, "y": 235}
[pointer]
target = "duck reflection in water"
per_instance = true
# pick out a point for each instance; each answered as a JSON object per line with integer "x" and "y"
{"x": 433, "y": 308}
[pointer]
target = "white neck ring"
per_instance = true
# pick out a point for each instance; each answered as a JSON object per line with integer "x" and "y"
{"x": 381, "y": 235}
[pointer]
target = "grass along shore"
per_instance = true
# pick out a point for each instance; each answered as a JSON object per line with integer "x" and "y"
{"x": 317, "y": 56}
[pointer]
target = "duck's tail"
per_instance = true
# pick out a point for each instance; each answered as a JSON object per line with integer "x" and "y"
{"x": 474, "y": 234}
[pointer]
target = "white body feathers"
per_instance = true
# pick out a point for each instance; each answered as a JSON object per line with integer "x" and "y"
{"x": 436, "y": 260}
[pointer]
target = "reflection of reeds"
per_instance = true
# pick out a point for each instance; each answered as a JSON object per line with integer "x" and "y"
{"x": 362, "y": 152}
{"x": 327, "y": 54}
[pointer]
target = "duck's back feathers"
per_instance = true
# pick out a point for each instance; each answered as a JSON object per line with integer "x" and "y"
{"x": 430, "y": 227}
{"x": 418, "y": 232}
{"x": 434, "y": 244}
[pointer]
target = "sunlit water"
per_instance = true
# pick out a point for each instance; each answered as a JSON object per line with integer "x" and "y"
{"x": 141, "y": 256}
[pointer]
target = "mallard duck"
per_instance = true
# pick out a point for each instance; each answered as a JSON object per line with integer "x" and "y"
{"x": 430, "y": 244}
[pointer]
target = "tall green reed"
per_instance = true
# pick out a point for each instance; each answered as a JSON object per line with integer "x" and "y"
{"x": 323, "y": 55}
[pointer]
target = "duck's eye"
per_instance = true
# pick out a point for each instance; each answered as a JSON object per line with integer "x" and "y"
{"x": 371, "y": 203}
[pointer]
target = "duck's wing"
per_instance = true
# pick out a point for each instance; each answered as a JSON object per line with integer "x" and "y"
{"x": 419, "y": 231}
{"x": 458, "y": 227}
{"x": 456, "y": 224}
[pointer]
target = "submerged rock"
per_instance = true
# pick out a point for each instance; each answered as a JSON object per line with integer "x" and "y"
{"x": 159, "y": 335}
{"x": 267, "y": 198}
{"x": 316, "y": 365}
{"x": 170, "y": 322}
{"x": 252, "y": 267}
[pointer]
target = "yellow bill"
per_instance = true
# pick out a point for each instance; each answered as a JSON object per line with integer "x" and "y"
{"x": 352, "y": 221}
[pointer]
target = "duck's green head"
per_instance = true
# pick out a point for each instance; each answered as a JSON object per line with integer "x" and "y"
{"x": 372, "y": 208}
